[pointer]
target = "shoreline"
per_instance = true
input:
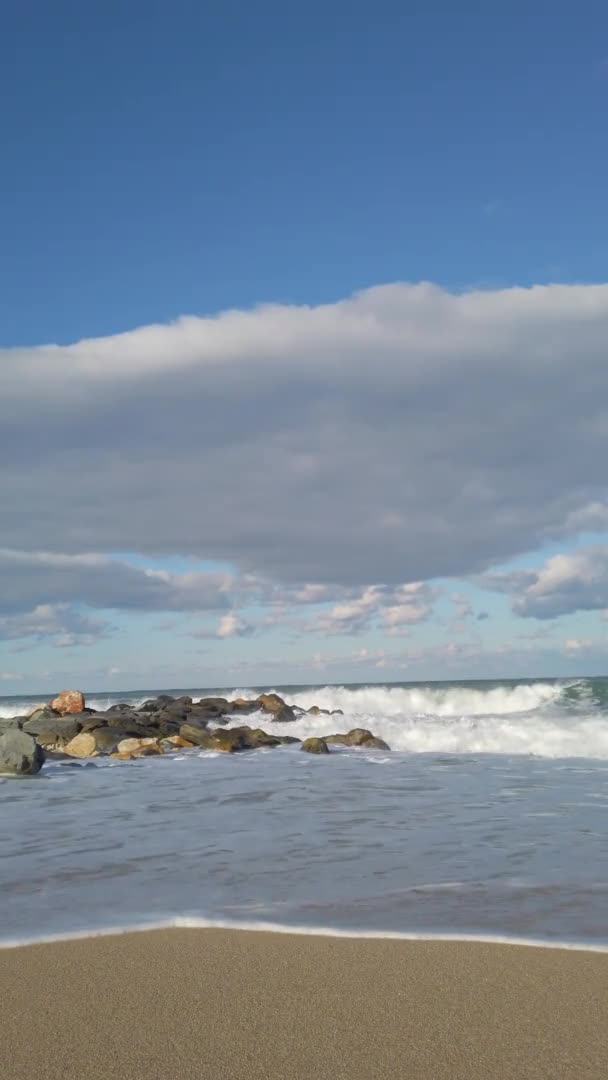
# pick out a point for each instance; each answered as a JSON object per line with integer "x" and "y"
{"x": 242, "y": 1005}
{"x": 186, "y": 922}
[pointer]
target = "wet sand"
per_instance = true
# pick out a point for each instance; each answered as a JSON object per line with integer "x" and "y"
{"x": 239, "y": 1005}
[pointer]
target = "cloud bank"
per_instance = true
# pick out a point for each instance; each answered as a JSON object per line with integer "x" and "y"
{"x": 403, "y": 434}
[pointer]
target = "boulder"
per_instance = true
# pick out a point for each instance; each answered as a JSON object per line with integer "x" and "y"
{"x": 134, "y": 746}
{"x": 42, "y": 712}
{"x": 244, "y": 706}
{"x": 155, "y": 704}
{"x": 316, "y": 711}
{"x": 175, "y": 742}
{"x": 315, "y": 746}
{"x": 20, "y": 754}
{"x": 358, "y": 737}
{"x": 194, "y": 732}
{"x": 10, "y": 723}
{"x": 214, "y": 706}
{"x": 52, "y": 733}
{"x": 83, "y": 745}
{"x": 68, "y": 701}
{"x": 271, "y": 703}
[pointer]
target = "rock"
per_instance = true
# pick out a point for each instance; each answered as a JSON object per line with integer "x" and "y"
{"x": 83, "y": 745}
{"x": 242, "y": 705}
{"x": 175, "y": 742}
{"x": 52, "y": 733}
{"x": 20, "y": 754}
{"x": 194, "y": 732}
{"x": 316, "y": 711}
{"x": 121, "y": 707}
{"x": 10, "y": 723}
{"x": 42, "y": 712}
{"x": 133, "y": 746}
{"x": 155, "y": 704}
{"x": 359, "y": 737}
{"x": 271, "y": 703}
{"x": 68, "y": 701}
{"x": 214, "y": 706}
{"x": 336, "y": 712}
{"x": 315, "y": 746}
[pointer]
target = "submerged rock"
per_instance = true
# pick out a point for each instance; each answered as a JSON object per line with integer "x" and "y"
{"x": 359, "y": 737}
{"x": 316, "y": 711}
{"x": 20, "y": 754}
{"x": 68, "y": 701}
{"x": 315, "y": 746}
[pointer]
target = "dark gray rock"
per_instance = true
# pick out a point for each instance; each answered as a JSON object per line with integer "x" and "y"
{"x": 9, "y": 723}
{"x": 52, "y": 732}
{"x": 156, "y": 704}
{"x": 20, "y": 754}
{"x": 43, "y": 712}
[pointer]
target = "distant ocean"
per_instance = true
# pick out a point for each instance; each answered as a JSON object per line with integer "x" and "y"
{"x": 489, "y": 818}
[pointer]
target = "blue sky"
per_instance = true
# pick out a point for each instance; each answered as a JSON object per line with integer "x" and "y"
{"x": 163, "y": 161}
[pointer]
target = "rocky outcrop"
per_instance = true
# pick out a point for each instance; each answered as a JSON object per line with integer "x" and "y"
{"x": 20, "y": 754}
{"x": 165, "y": 724}
{"x": 359, "y": 737}
{"x": 68, "y": 701}
{"x": 315, "y": 746}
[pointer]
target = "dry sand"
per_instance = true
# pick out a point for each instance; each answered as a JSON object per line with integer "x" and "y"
{"x": 186, "y": 1004}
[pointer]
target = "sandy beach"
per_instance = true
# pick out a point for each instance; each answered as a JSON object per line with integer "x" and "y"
{"x": 240, "y": 1005}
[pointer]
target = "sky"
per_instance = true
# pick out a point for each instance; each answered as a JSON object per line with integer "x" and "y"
{"x": 303, "y": 343}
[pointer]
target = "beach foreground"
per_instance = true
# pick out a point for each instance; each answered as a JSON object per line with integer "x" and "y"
{"x": 238, "y": 1004}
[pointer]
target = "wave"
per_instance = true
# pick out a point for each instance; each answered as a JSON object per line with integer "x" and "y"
{"x": 192, "y": 922}
{"x": 441, "y": 701}
{"x": 544, "y": 719}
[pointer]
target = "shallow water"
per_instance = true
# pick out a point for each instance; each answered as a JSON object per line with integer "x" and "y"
{"x": 454, "y": 839}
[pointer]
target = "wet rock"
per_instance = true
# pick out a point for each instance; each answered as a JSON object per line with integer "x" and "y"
{"x": 68, "y": 701}
{"x": 52, "y": 732}
{"x": 315, "y": 746}
{"x": 155, "y": 704}
{"x": 244, "y": 706}
{"x": 271, "y": 703}
{"x": 358, "y": 737}
{"x": 316, "y": 711}
{"x": 336, "y": 712}
{"x": 20, "y": 754}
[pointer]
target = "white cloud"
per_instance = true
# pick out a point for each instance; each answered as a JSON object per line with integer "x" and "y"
{"x": 402, "y": 434}
{"x": 565, "y": 583}
{"x": 231, "y": 625}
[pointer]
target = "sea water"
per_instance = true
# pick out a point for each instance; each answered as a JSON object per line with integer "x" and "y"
{"x": 488, "y": 817}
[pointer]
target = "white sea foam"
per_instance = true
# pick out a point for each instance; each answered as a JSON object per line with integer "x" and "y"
{"x": 190, "y": 922}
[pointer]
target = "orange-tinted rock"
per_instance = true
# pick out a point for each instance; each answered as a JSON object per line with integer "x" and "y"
{"x": 136, "y": 746}
{"x": 68, "y": 701}
{"x": 82, "y": 745}
{"x": 176, "y": 742}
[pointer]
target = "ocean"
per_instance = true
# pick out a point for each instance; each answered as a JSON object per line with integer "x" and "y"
{"x": 488, "y": 818}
